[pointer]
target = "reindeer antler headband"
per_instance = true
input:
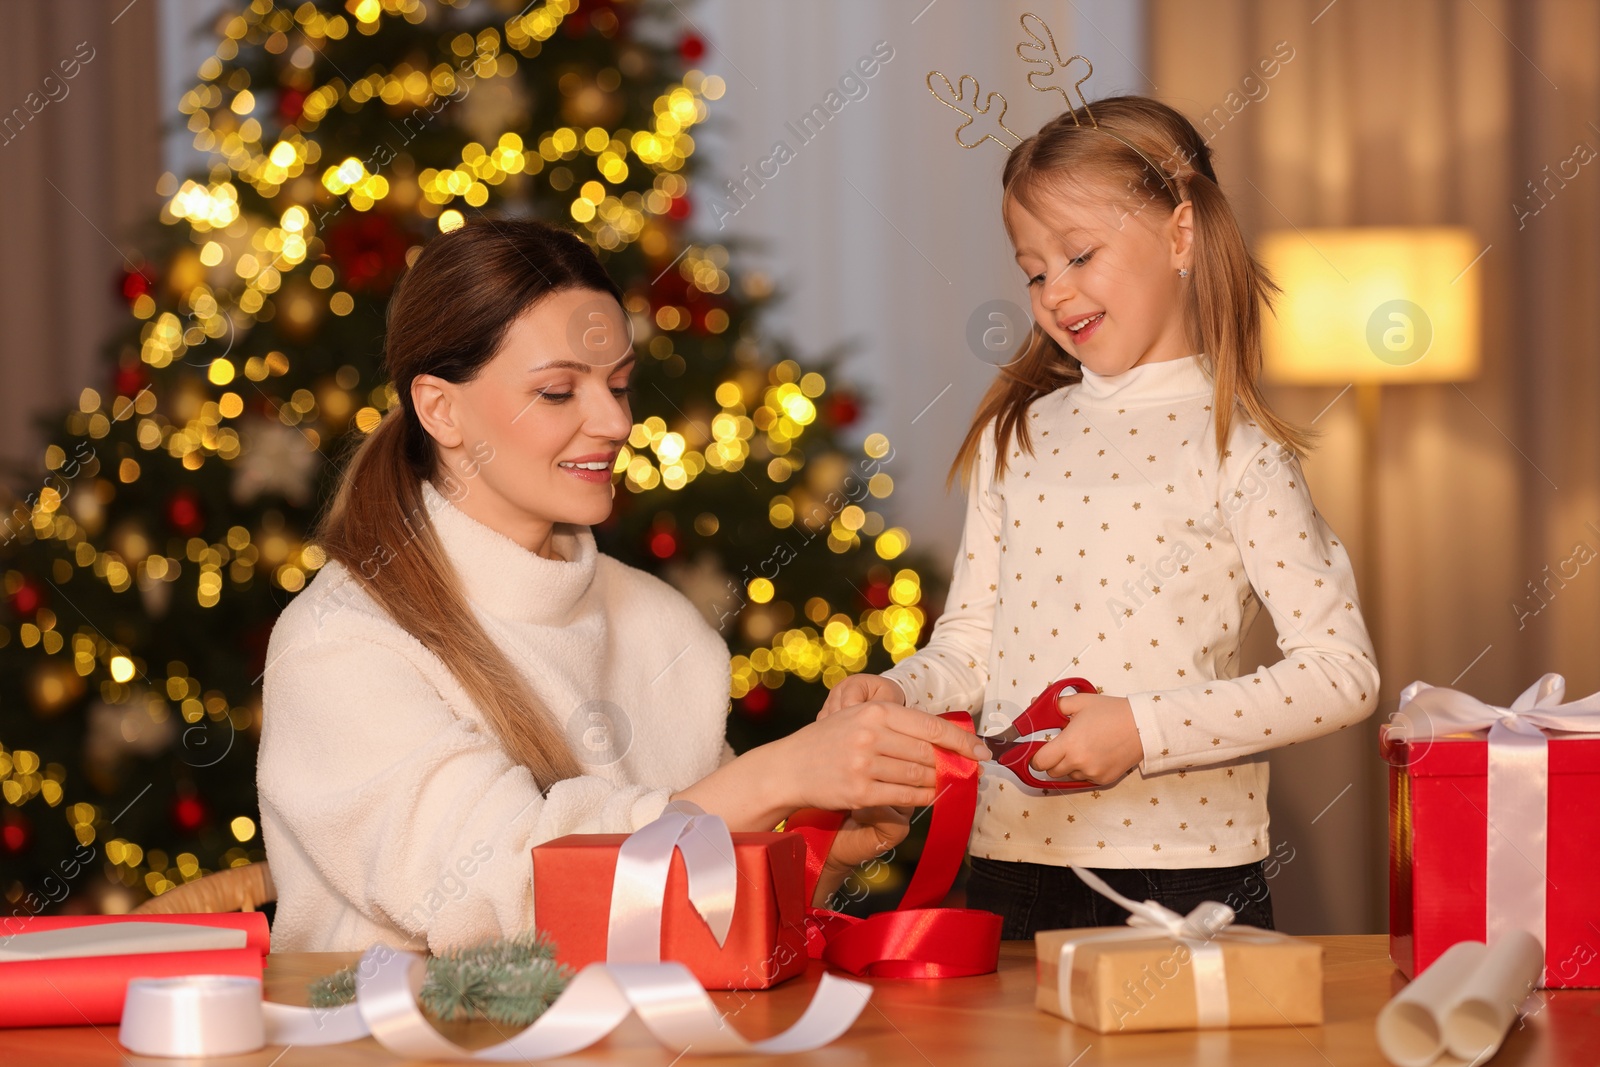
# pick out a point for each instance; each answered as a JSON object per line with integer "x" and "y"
{"x": 1050, "y": 73}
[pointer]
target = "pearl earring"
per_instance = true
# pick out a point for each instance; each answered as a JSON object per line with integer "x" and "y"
{"x": 1183, "y": 272}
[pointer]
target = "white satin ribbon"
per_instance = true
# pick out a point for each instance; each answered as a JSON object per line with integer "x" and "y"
{"x": 665, "y": 994}
{"x": 639, "y": 889}
{"x": 1519, "y": 784}
{"x": 1208, "y": 922}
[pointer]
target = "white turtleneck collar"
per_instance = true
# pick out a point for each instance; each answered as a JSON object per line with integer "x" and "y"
{"x": 508, "y": 580}
{"x": 1168, "y": 380}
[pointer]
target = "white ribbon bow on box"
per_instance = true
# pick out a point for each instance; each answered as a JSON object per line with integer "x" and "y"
{"x": 198, "y": 1016}
{"x": 1519, "y": 783}
{"x": 1200, "y": 930}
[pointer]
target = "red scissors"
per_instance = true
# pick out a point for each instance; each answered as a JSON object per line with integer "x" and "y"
{"x": 1013, "y": 752}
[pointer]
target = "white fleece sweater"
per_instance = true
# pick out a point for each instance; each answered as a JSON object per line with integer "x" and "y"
{"x": 1120, "y": 551}
{"x": 390, "y": 812}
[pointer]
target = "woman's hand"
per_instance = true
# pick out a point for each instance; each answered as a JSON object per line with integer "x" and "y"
{"x": 866, "y": 755}
{"x": 1100, "y": 744}
{"x": 869, "y": 755}
{"x": 859, "y": 689}
{"x": 865, "y": 834}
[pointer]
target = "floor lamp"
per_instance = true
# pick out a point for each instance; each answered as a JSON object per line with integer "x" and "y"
{"x": 1364, "y": 308}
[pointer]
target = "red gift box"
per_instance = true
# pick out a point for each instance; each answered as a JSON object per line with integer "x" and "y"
{"x": 1438, "y": 852}
{"x": 766, "y": 944}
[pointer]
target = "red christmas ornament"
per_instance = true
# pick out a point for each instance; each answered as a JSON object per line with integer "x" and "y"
{"x": 132, "y": 284}
{"x": 670, "y": 287}
{"x": 27, "y": 599}
{"x": 702, "y": 309}
{"x": 692, "y": 47}
{"x": 368, "y": 250}
{"x": 16, "y": 833}
{"x": 128, "y": 381}
{"x": 843, "y": 409}
{"x": 679, "y": 208}
{"x": 183, "y": 512}
{"x": 189, "y": 814}
{"x": 757, "y": 702}
{"x": 663, "y": 544}
{"x": 291, "y": 103}
{"x": 877, "y": 594}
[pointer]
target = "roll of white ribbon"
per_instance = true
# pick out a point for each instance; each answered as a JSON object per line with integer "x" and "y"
{"x": 193, "y": 1015}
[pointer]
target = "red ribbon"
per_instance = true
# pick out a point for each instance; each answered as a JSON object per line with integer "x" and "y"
{"x": 917, "y": 940}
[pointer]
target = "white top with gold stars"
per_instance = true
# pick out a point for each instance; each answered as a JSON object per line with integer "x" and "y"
{"x": 1122, "y": 552}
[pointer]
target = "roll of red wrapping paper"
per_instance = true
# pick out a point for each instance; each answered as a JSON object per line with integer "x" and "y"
{"x": 85, "y": 990}
{"x": 253, "y": 923}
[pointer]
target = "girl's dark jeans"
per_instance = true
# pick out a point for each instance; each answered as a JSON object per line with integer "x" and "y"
{"x": 1040, "y": 896}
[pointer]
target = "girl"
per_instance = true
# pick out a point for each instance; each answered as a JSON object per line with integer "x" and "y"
{"x": 1133, "y": 503}
{"x": 468, "y": 676}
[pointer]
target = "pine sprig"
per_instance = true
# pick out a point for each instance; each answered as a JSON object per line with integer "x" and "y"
{"x": 509, "y": 980}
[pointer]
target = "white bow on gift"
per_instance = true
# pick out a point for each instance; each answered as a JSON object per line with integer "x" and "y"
{"x": 665, "y": 994}
{"x": 1200, "y": 930}
{"x": 1519, "y": 783}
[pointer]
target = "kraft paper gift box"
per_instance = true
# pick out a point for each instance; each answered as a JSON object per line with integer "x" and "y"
{"x": 1128, "y": 979}
{"x": 766, "y": 944}
{"x": 1443, "y": 829}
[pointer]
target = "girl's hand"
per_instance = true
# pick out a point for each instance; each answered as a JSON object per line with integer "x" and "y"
{"x": 867, "y": 755}
{"x": 1100, "y": 744}
{"x": 860, "y": 688}
{"x": 866, "y": 833}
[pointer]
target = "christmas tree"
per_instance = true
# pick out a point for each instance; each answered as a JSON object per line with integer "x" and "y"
{"x": 146, "y": 559}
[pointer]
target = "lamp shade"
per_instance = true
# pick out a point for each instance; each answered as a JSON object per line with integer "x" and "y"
{"x": 1372, "y": 304}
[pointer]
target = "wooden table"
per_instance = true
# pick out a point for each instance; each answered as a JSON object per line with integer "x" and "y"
{"x": 985, "y": 1020}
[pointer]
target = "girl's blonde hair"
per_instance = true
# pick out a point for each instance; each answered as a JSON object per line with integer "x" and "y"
{"x": 447, "y": 318}
{"x": 1228, "y": 287}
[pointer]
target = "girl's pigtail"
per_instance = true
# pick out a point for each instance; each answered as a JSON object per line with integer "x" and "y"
{"x": 1230, "y": 290}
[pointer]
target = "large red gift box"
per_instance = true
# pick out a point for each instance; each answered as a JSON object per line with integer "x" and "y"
{"x": 1438, "y": 852}
{"x": 766, "y": 944}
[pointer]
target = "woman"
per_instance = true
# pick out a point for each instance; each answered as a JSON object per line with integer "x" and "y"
{"x": 467, "y": 676}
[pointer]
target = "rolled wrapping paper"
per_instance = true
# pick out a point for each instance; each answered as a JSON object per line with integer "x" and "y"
{"x": 1464, "y": 1003}
{"x": 89, "y": 990}
{"x": 665, "y": 995}
{"x": 1410, "y": 1032}
{"x": 1482, "y": 1014}
{"x": 253, "y": 923}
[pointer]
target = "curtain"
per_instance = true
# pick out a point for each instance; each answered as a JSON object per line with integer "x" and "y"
{"x": 1421, "y": 113}
{"x": 80, "y": 142}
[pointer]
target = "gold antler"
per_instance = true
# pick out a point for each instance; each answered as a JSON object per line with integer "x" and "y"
{"x": 980, "y": 110}
{"x": 1051, "y": 71}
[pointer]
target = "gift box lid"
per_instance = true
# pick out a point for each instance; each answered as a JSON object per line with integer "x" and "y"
{"x": 1466, "y": 755}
